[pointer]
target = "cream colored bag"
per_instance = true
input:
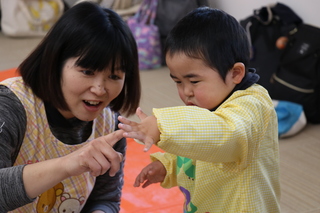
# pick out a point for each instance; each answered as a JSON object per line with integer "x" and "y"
{"x": 27, "y": 18}
{"x": 124, "y": 8}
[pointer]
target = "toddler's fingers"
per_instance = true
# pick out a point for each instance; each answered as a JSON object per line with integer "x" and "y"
{"x": 141, "y": 177}
{"x": 126, "y": 121}
{"x": 146, "y": 184}
{"x": 135, "y": 135}
{"x": 138, "y": 181}
{"x": 148, "y": 144}
{"x": 125, "y": 127}
{"x": 141, "y": 114}
{"x": 122, "y": 119}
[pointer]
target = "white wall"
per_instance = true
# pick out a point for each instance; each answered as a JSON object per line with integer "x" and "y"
{"x": 308, "y": 10}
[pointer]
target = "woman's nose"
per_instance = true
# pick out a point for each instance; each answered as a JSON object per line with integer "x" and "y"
{"x": 99, "y": 88}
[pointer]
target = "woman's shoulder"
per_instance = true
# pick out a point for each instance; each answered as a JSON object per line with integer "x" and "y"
{"x": 9, "y": 82}
{"x": 12, "y": 121}
{"x": 19, "y": 88}
{"x": 8, "y": 98}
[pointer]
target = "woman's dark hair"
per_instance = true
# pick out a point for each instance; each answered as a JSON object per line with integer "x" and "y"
{"x": 100, "y": 38}
{"x": 211, "y": 35}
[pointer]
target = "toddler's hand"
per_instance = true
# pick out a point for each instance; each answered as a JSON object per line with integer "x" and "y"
{"x": 155, "y": 172}
{"x": 146, "y": 131}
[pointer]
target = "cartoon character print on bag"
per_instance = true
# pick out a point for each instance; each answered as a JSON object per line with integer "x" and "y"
{"x": 186, "y": 165}
{"x": 47, "y": 12}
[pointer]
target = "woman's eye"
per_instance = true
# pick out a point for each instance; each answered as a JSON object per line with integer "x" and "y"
{"x": 177, "y": 82}
{"x": 194, "y": 82}
{"x": 114, "y": 77}
{"x": 88, "y": 72}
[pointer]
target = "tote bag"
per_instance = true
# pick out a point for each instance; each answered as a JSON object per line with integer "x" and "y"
{"x": 27, "y": 18}
{"x": 147, "y": 35}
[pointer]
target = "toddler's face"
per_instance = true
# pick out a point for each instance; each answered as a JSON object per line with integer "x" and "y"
{"x": 198, "y": 84}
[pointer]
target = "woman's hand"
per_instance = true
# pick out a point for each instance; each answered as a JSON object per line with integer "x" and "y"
{"x": 96, "y": 157}
{"x": 146, "y": 131}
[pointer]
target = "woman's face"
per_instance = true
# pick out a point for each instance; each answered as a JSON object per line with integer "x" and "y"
{"x": 87, "y": 92}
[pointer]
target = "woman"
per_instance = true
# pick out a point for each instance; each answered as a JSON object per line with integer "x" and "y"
{"x": 59, "y": 148}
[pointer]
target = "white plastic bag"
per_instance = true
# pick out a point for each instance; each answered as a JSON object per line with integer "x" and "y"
{"x": 27, "y": 18}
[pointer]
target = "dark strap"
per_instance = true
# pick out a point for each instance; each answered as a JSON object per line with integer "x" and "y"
{"x": 249, "y": 79}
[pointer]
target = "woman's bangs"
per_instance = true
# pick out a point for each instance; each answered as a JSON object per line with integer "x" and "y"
{"x": 99, "y": 56}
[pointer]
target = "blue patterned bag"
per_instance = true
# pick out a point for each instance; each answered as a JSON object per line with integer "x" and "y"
{"x": 147, "y": 35}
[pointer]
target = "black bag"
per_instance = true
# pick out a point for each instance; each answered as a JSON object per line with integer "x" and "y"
{"x": 169, "y": 12}
{"x": 290, "y": 73}
{"x": 264, "y": 27}
{"x": 297, "y": 78}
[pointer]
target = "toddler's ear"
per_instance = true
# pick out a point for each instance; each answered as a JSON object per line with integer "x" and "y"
{"x": 238, "y": 72}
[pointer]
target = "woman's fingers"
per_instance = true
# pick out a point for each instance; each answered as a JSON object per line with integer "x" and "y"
{"x": 115, "y": 164}
{"x": 98, "y": 156}
{"x": 100, "y": 165}
{"x": 120, "y": 156}
{"x": 114, "y": 158}
{"x": 113, "y": 137}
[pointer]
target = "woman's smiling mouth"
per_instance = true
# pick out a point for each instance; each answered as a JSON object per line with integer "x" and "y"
{"x": 92, "y": 103}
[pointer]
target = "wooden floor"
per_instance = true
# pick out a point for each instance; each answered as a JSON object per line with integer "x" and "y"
{"x": 300, "y": 154}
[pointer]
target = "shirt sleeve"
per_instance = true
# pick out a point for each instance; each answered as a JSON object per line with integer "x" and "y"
{"x": 231, "y": 133}
{"x": 12, "y": 130}
{"x": 169, "y": 161}
{"x": 106, "y": 194}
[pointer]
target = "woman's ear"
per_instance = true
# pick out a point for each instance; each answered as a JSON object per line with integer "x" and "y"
{"x": 238, "y": 72}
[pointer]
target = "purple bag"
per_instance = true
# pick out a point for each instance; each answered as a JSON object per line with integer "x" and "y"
{"x": 147, "y": 35}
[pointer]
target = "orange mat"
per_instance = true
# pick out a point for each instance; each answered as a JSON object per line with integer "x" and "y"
{"x": 8, "y": 74}
{"x": 154, "y": 198}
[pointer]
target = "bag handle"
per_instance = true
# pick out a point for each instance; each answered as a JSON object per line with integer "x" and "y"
{"x": 264, "y": 15}
{"x": 280, "y": 11}
{"x": 24, "y": 8}
{"x": 147, "y": 12}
